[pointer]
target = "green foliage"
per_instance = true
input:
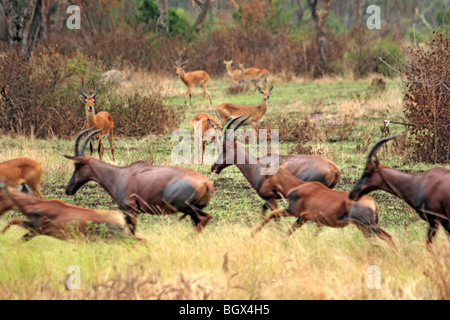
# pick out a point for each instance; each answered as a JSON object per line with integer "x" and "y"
{"x": 365, "y": 57}
{"x": 179, "y": 26}
{"x": 442, "y": 17}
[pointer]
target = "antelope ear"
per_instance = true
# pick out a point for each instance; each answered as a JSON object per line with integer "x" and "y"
{"x": 270, "y": 88}
{"x": 82, "y": 98}
{"x": 97, "y": 96}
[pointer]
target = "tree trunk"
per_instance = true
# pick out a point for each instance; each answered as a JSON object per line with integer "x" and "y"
{"x": 300, "y": 11}
{"x": 320, "y": 24}
{"x": 204, "y": 6}
{"x": 163, "y": 20}
{"x": 357, "y": 26}
{"x": 24, "y": 25}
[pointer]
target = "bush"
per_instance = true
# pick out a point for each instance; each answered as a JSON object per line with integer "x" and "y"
{"x": 427, "y": 100}
{"x": 365, "y": 56}
{"x": 40, "y": 97}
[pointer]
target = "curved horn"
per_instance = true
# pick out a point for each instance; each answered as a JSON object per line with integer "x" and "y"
{"x": 376, "y": 147}
{"x": 240, "y": 122}
{"x": 95, "y": 89}
{"x": 229, "y": 122}
{"x": 83, "y": 146}
{"x": 77, "y": 140}
{"x": 82, "y": 89}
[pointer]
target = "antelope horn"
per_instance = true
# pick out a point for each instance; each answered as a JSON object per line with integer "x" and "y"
{"x": 82, "y": 89}
{"x": 177, "y": 63}
{"x": 228, "y": 124}
{"x": 184, "y": 63}
{"x": 95, "y": 89}
{"x": 77, "y": 140}
{"x": 240, "y": 122}
{"x": 83, "y": 146}
{"x": 376, "y": 147}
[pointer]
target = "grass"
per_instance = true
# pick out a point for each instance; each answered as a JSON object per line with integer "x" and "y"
{"x": 224, "y": 262}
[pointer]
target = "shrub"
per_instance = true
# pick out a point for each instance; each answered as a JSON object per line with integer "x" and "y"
{"x": 40, "y": 97}
{"x": 427, "y": 99}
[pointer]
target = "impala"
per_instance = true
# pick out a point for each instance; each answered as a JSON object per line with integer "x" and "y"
{"x": 427, "y": 193}
{"x": 191, "y": 79}
{"x": 57, "y": 219}
{"x": 254, "y": 114}
{"x": 255, "y": 76}
{"x": 208, "y": 130}
{"x": 100, "y": 120}
{"x": 236, "y": 75}
{"x": 309, "y": 168}
{"x": 312, "y": 201}
{"x": 22, "y": 170}
{"x": 144, "y": 188}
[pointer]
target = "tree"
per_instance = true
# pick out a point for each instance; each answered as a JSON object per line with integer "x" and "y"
{"x": 204, "y": 6}
{"x": 28, "y": 21}
{"x": 320, "y": 24}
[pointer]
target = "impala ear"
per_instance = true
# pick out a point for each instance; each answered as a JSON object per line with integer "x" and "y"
{"x": 25, "y": 189}
{"x": 82, "y": 98}
{"x": 97, "y": 96}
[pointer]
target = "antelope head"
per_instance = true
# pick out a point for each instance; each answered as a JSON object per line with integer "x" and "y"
{"x": 180, "y": 67}
{"x": 89, "y": 101}
{"x": 224, "y": 160}
{"x": 265, "y": 93}
{"x": 372, "y": 178}
{"x": 83, "y": 171}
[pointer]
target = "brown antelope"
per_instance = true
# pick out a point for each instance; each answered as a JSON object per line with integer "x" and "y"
{"x": 255, "y": 76}
{"x": 427, "y": 193}
{"x": 144, "y": 188}
{"x": 236, "y": 75}
{"x": 191, "y": 79}
{"x": 57, "y": 219}
{"x": 208, "y": 130}
{"x": 100, "y": 120}
{"x": 310, "y": 168}
{"x": 312, "y": 201}
{"x": 22, "y": 170}
{"x": 227, "y": 111}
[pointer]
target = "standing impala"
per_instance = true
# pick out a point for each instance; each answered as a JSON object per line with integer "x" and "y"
{"x": 206, "y": 128}
{"x": 427, "y": 193}
{"x": 255, "y": 76}
{"x": 191, "y": 79}
{"x": 237, "y": 75}
{"x": 254, "y": 114}
{"x": 100, "y": 120}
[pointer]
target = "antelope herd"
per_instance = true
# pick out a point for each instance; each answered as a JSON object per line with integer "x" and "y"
{"x": 305, "y": 181}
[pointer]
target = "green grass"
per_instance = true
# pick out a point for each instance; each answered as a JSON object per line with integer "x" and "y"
{"x": 224, "y": 262}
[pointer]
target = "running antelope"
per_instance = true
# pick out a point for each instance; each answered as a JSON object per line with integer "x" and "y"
{"x": 255, "y": 76}
{"x": 208, "y": 129}
{"x": 22, "y": 170}
{"x": 144, "y": 188}
{"x": 427, "y": 193}
{"x": 309, "y": 168}
{"x": 191, "y": 79}
{"x": 100, "y": 120}
{"x": 227, "y": 111}
{"x": 312, "y": 201}
{"x": 57, "y": 219}
{"x": 236, "y": 75}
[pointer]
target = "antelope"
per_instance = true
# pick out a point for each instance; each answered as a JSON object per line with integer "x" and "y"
{"x": 100, "y": 120}
{"x": 57, "y": 219}
{"x": 236, "y": 75}
{"x": 227, "y": 111}
{"x": 209, "y": 130}
{"x": 22, "y": 170}
{"x": 312, "y": 201}
{"x": 144, "y": 188}
{"x": 427, "y": 193}
{"x": 191, "y": 79}
{"x": 255, "y": 76}
{"x": 309, "y": 168}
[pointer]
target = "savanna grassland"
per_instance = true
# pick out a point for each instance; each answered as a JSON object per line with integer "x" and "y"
{"x": 224, "y": 262}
